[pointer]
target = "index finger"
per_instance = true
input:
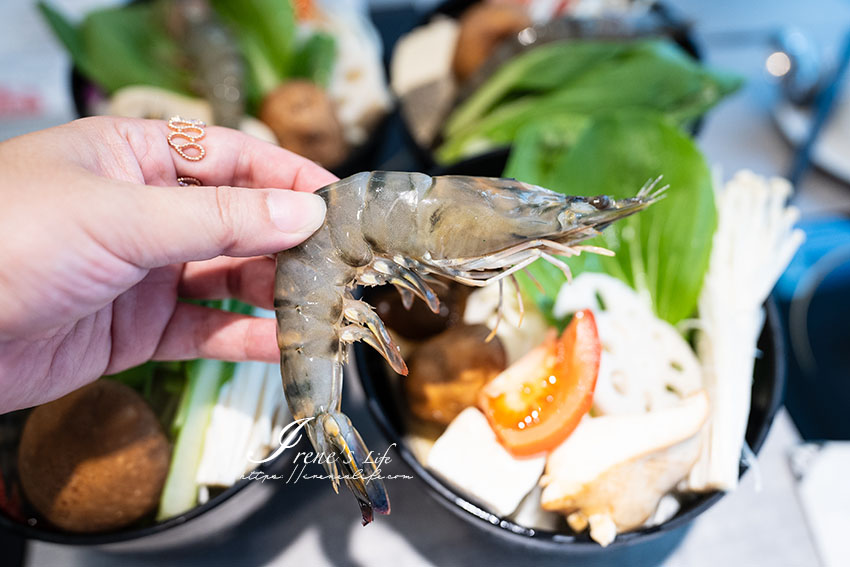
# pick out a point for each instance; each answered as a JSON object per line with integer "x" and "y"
{"x": 231, "y": 158}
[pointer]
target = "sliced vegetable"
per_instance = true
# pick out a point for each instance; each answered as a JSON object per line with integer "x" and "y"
{"x": 180, "y": 493}
{"x": 646, "y": 365}
{"x": 537, "y": 402}
{"x": 247, "y": 399}
{"x": 204, "y": 378}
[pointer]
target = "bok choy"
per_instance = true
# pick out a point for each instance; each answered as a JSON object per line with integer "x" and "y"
{"x": 662, "y": 252}
{"x": 572, "y": 81}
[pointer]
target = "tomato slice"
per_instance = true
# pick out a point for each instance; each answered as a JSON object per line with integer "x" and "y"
{"x": 539, "y": 400}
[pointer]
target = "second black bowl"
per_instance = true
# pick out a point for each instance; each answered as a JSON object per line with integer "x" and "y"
{"x": 383, "y": 401}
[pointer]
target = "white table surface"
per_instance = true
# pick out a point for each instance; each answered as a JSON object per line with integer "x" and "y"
{"x": 306, "y": 524}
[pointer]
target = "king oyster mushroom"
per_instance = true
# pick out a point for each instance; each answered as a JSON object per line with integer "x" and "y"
{"x": 612, "y": 471}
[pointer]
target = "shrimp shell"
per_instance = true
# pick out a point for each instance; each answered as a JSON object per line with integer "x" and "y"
{"x": 403, "y": 228}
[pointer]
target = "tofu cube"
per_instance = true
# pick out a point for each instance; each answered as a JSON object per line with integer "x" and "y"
{"x": 470, "y": 459}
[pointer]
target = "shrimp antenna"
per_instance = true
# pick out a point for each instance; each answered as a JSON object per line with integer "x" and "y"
{"x": 648, "y": 192}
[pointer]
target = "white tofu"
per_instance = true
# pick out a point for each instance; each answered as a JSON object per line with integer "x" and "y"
{"x": 424, "y": 55}
{"x": 469, "y": 458}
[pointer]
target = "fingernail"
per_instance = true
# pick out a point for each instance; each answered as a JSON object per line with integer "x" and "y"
{"x": 296, "y": 212}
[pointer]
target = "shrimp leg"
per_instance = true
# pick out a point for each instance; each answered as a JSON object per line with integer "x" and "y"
{"x": 404, "y": 278}
{"x": 406, "y": 297}
{"x": 372, "y": 332}
{"x": 381, "y": 271}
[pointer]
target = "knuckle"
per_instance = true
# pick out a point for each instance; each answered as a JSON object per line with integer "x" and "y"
{"x": 227, "y": 215}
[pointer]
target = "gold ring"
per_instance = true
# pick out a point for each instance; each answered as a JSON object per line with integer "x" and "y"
{"x": 185, "y": 135}
{"x": 186, "y": 181}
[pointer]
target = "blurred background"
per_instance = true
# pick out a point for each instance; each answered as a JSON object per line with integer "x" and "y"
{"x": 790, "y": 118}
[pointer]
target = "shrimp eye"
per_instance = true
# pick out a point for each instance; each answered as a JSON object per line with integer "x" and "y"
{"x": 601, "y": 202}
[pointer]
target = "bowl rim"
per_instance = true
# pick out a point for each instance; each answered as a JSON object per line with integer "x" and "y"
{"x": 54, "y": 535}
{"x": 82, "y": 539}
{"x": 476, "y": 515}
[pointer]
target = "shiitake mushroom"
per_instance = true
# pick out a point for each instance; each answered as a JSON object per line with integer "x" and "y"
{"x": 95, "y": 460}
{"x": 303, "y": 118}
{"x": 447, "y": 371}
{"x": 482, "y": 28}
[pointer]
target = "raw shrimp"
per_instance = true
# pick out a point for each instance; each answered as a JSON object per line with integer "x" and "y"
{"x": 402, "y": 229}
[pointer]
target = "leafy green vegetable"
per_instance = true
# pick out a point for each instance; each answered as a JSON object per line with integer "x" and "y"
{"x": 662, "y": 251}
{"x": 539, "y": 145}
{"x": 541, "y": 69}
{"x": 573, "y": 81}
{"x": 67, "y": 34}
{"x": 315, "y": 59}
{"x": 269, "y": 24}
{"x": 139, "y": 377}
{"x": 266, "y": 32}
{"x": 501, "y": 127}
{"x": 122, "y": 46}
{"x": 129, "y": 45}
{"x": 261, "y": 76}
{"x": 160, "y": 383}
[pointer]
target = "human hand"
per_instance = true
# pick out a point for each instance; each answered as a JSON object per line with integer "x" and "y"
{"x": 97, "y": 242}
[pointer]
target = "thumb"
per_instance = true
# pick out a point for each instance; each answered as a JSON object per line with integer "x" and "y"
{"x": 167, "y": 225}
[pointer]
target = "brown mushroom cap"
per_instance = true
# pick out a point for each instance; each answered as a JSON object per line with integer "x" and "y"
{"x": 304, "y": 120}
{"x": 482, "y": 28}
{"x": 94, "y": 460}
{"x": 448, "y": 370}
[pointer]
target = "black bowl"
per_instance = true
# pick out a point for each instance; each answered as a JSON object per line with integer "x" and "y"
{"x": 221, "y": 511}
{"x": 676, "y": 28}
{"x": 382, "y": 400}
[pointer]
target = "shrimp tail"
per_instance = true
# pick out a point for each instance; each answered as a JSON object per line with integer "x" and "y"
{"x": 335, "y": 435}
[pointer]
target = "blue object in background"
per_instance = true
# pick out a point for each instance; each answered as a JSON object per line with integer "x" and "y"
{"x": 814, "y": 301}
